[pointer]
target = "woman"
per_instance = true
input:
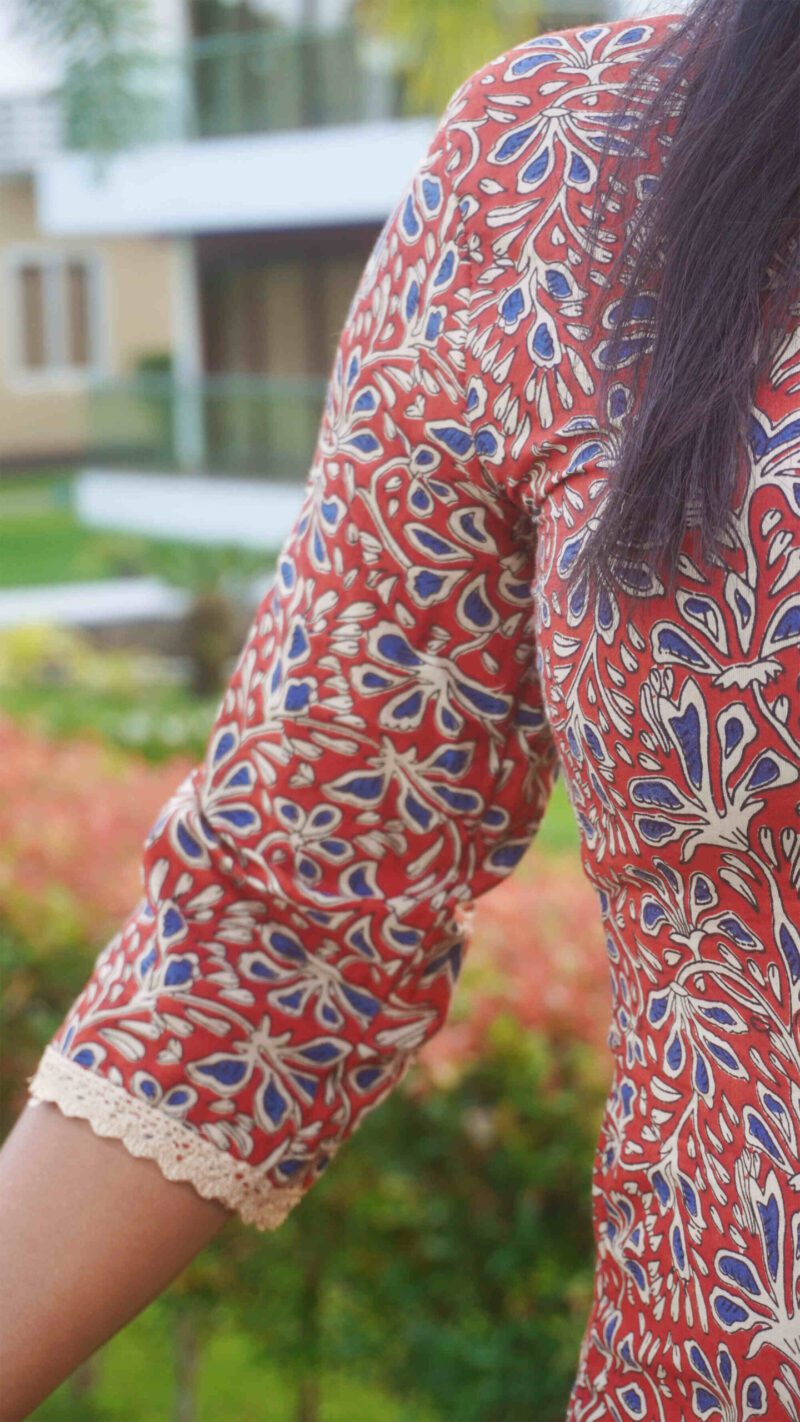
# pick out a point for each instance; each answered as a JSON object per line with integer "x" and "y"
{"x": 553, "y": 522}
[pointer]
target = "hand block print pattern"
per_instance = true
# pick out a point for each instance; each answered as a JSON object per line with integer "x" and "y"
{"x": 416, "y": 677}
{"x": 381, "y": 756}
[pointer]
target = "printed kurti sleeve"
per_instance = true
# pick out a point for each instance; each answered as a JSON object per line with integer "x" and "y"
{"x": 380, "y": 758}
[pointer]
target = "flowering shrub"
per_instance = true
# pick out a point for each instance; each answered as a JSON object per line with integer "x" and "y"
{"x": 461, "y": 1210}
{"x": 57, "y": 680}
{"x": 40, "y": 654}
{"x": 73, "y": 819}
{"x": 536, "y": 953}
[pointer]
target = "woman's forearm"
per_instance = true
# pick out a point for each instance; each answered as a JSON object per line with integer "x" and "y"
{"x": 89, "y": 1235}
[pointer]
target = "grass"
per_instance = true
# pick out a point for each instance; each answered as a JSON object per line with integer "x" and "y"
{"x": 52, "y": 547}
{"x": 42, "y": 541}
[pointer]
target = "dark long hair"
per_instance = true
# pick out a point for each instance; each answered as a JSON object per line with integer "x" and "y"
{"x": 708, "y": 264}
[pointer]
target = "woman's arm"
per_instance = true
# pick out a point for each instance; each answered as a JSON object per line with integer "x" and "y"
{"x": 381, "y": 757}
{"x": 89, "y": 1235}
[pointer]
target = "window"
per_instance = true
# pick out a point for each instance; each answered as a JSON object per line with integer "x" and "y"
{"x": 55, "y": 313}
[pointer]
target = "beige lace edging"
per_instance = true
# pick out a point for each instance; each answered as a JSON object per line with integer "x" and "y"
{"x": 179, "y": 1153}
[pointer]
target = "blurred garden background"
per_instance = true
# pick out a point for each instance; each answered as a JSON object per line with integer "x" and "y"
{"x": 188, "y": 191}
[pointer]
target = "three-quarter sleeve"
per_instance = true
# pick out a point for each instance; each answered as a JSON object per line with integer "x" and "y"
{"x": 380, "y": 758}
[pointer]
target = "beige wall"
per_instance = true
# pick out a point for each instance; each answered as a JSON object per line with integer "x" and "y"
{"x": 282, "y": 317}
{"x": 50, "y": 417}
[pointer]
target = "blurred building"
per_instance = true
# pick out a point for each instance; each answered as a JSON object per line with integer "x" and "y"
{"x": 74, "y": 308}
{"x": 177, "y": 305}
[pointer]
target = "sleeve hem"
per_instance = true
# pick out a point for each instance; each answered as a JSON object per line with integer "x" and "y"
{"x": 180, "y": 1154}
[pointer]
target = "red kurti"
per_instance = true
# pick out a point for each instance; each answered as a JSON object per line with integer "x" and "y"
{"x": 384, "y": 753}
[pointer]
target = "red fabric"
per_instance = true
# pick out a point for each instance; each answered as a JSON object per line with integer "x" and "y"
{"x": 386, "y": 748}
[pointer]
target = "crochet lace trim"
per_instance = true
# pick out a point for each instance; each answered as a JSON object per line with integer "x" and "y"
{"x": 179, "y": 1153}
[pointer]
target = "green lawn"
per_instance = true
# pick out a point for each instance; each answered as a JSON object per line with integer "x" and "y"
{"x": 41, "y": 541}
{"x": 52, "y": 547}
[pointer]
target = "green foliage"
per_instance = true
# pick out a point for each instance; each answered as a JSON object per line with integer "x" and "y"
{"x": 156, "y": 721}
{"x": 558, "y": 833}
{"x": 155, "y": 363}
{"x": 55, "y": 680}
{"x": 157, "y": 392}
{"x": 49, "y": 545}
{"x": 42, "y": 655}
{"x": 442, "y": 42}
{"x": 41, "y": 541}
{"x": 91, "y": 25}
{"x": 35, "y": 550}
{"x": 201, "y": 567}
{"x": 485, "y": 1229}
{"x": 240, "y": 1380}
{"x": 447, "y": 1253}
{"x": 108, "y": 63}
{"x": 38, "y": 980}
